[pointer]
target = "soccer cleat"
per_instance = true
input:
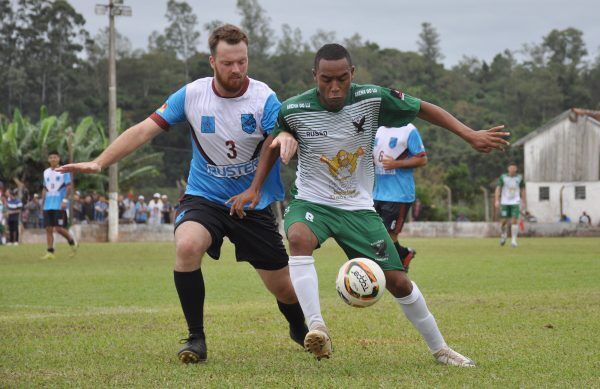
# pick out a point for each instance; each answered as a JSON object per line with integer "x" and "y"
{"x": 48, "y": 256}
{"x": 298, "y": 334}
{"x": 318, "y": 342}
{"x": 74, "y": 247}
{"x": 194, "y": 350}
{"x": 502, "y": 240}
{"x": 514, "y": 244}
{"x": 409, "y": 257}
{"x": 447, "y": 356}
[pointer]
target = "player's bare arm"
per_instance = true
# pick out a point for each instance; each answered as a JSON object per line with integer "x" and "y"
{"x": 124, "y": 145}
{"x": 287, "y": 146}
{"x": 497, "y": 197}
{"x": 483, "y": 141}
{"x": 390, "y": 163}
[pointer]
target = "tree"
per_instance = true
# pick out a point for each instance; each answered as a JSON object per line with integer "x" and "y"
{"x": 429, "y": 48}
{"x": 255, "y": 23}
{"x": 182, "y": 35}
{"x": 291, "y": 41}
{"x": 322, "y": 37}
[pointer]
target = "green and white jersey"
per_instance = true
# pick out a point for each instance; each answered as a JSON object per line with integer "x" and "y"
{"x": 511, "y": 189}
{"x": 335, "y": 164}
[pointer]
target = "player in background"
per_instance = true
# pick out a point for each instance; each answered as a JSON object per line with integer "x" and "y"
{"x": 396, "y": 153}
{"x": 55, "y": 194}
{"x": 230, "y": 115}
{"x": 509, "y": 195}
{"x": 335, "y": 127}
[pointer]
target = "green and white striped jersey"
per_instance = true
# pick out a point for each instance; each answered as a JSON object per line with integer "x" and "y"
{"x": 335, "y": 163}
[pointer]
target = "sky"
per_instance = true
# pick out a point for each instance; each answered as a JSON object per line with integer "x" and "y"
{"x": 476, "y": 28}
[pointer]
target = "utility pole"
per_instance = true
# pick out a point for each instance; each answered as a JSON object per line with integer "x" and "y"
{"x": 114, "y": 8}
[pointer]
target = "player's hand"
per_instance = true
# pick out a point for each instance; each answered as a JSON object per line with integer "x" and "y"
{"x": 63, "y": 205}
{"x": 388, "y": 163}
{"x": 287, "y": 146}
{"x": 239, "y": 201}
{"x": 81, "y": 167}
{"x": 486, "y": 141}
{"x": 497, "y": 204}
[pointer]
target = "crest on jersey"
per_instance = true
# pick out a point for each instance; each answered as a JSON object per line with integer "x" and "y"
{"x": 207, "y": 125}
{"x": 393, "y": 142}
{"x": 248, "y": 123}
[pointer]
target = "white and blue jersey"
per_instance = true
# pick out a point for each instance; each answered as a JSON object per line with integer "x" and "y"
{"x": 397, "y": 185}
{"x": 227, "y": 134}
{"x": 55, "y": 184}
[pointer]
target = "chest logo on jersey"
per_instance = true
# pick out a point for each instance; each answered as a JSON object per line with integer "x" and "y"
{"x": 342, "y": 168}
{"x": 359, "y": 124}
{"x": 207, "y": 125}
{"x": 248, "y": 123}
{"x": 393, "y": 142}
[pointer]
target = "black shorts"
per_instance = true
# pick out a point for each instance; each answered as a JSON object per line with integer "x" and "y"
{"x": 393, "y": 214}
{"x": 55, "y": 218}
{"x": 256, "y": 236}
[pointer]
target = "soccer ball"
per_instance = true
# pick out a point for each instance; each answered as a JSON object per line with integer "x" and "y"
{"x": 360, "y": 282}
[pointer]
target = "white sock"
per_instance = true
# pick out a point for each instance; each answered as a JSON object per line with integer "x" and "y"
{"x": 306, "y": 284}
{"x": 416, "y": 311}
{"x": 514, "y": 230}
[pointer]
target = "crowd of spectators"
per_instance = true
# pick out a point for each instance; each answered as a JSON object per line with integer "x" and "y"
{"x": 19, "y": 207}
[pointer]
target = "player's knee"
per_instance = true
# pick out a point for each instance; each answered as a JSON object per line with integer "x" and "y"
{"x": 284, "y": 292}
{"x": 399, "y": 285}
{"x": 300, "y": 241}
{"x": 188, "y": 250}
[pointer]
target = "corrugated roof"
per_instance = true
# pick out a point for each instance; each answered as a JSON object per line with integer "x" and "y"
{"x": 573, "y": 115}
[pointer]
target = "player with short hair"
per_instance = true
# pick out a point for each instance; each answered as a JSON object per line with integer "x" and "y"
{"x": 55, "y": 195}
{"x": 509, "y": 195}
{"x": 230, "y": 115}
{"x": 335, "y": 125}
{"x": 396, "y": 153}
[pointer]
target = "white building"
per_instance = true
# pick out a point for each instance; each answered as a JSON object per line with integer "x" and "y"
{"x": 562, "y": 167}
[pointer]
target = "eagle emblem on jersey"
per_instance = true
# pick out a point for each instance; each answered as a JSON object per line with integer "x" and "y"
{"x": 248, "y": 123}
{"x": 359, "y": 124}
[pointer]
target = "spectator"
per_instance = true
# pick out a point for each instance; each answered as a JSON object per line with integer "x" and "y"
{"x": 88, "y": 210}
{"x": 141, "y": 211}
{"x": 33, "y": 209}
{"x": 2, "y": 217}
{"x": 14, "y": 206}
{"x": 129, "y": 204}
{"x": 585, "y": 219}
{"x": 167, "y": 210}
{"x": 120, "y": 206}
{"x": 564, "y": 219}
{"x": 155, "y": 207}
{"x": 100, "y": 209}
{"x": 77, "y": 208}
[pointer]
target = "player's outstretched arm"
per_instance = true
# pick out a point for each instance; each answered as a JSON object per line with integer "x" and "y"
{"x": 287, "y": 146}
{"x": 483, "y": 141}
{"x": 124, "y": 145}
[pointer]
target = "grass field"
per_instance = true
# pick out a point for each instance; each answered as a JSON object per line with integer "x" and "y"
{"x": 529, "y": 316}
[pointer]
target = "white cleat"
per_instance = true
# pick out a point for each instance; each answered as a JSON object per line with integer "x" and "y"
{"x": 318, "y": 342}
{"x": 447, "y": 356}
{"x": 514, "y": 244}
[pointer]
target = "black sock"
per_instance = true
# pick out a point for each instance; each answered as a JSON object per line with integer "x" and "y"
{"x": 293, "y": 314}
{"x": 51, "y": 250}
{"x": 190, "y": 288}
{"x": 402, "y": 251}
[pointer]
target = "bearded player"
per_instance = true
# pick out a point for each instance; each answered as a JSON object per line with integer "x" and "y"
{"x": 230, "y": 115}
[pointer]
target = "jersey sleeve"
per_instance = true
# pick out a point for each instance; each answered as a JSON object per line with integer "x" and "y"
{"x": 172, "y": 111}
{"x": 521, "y": 183}
{"x": 397, "y": 108}
{"x": 270, "y": 113}
{"x": 67, "y": 178}
{"x": 415, "y": 144}
{"x": 501, "y": 181}
{"x": 281, "y": 125}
